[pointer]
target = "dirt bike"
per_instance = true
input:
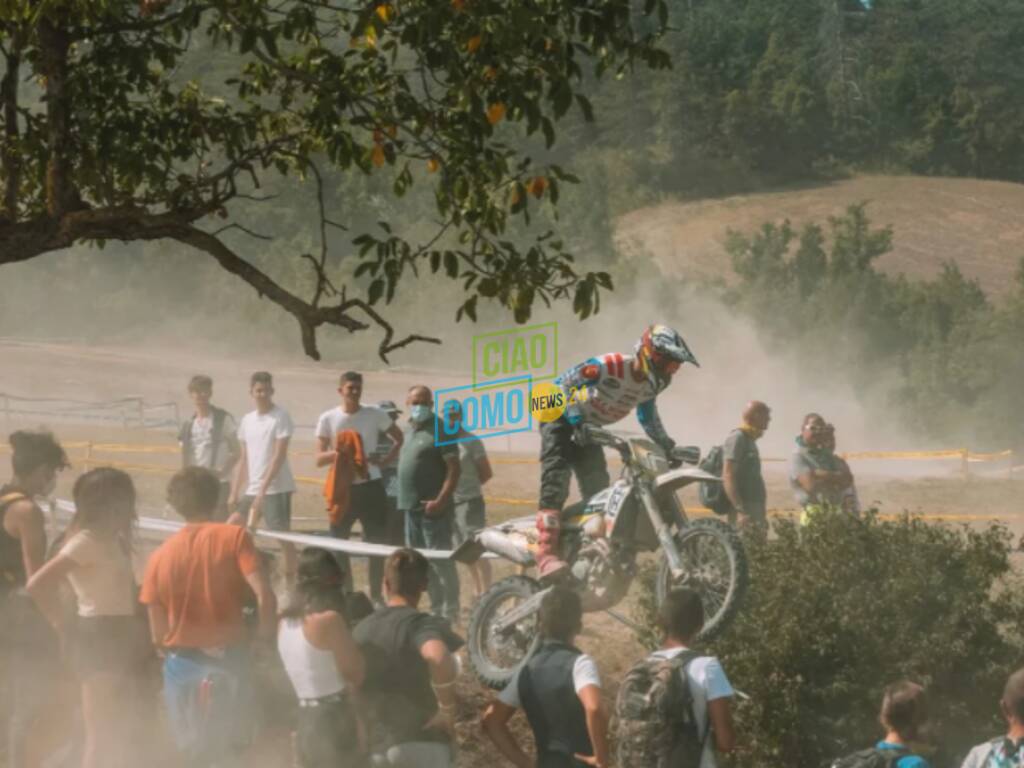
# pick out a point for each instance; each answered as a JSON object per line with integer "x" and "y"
{"x": 601, "y": 539}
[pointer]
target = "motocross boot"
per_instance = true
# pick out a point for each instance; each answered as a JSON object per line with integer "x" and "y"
{"x": 550, "y": 567}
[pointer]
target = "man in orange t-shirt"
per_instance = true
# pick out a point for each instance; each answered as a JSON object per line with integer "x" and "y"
{"x": 195, "y": 587}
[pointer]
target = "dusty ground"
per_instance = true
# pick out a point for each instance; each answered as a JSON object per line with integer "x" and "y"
{"x": 971, "y": 222}
{"x": 306, "y": 389}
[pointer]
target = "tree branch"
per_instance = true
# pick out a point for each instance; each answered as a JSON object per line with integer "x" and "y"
{"x": 307, "y": 316}
{"x": 386, "y": 345}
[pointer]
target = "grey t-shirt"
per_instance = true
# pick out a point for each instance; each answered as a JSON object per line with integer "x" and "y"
{"x": 802, "y": 462}
{"x": 741, "y": 449}
{"x": 470, "y": 452}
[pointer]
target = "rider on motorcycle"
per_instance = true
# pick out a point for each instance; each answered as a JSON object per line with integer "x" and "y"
{"x": 600, "y": 391}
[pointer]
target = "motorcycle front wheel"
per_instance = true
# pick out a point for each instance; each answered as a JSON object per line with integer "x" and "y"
{"x": 715, "y": 565}
{"x": 496, "y": 656}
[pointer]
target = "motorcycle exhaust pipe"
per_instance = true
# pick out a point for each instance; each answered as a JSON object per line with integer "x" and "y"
{"x": 504, "y": 545}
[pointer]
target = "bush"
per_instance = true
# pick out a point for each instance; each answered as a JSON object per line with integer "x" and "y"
{"x": 843, "y": 607}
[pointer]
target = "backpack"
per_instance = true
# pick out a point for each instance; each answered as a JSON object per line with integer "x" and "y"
{"x": 712, "y": 494}
{"x": 872, "y": 758}
{"x": 657, "y": 727}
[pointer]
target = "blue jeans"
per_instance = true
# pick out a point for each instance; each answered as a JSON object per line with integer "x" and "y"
{"x": 206, "y": 701}
{"x": 424, "y": 532}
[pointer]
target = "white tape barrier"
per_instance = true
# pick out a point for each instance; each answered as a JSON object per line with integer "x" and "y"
{"x": 166, "y": 528}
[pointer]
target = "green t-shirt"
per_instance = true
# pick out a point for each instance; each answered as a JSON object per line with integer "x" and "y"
{"x": 421, "y": 465}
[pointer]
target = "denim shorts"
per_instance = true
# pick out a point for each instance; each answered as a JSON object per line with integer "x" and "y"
{"x": 277, "y": 510}
{"x": 206, "y": 701}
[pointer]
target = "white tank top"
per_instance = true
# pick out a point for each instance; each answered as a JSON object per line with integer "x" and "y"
{"x": 313, "y": 672}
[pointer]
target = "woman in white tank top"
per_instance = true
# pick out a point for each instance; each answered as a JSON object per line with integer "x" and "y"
{"x": 323, "y": 663}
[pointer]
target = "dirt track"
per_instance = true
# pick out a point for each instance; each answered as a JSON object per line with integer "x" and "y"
{"x": 306, "y": 389}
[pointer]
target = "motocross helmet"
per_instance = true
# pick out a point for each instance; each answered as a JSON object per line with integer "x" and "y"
{"x": 662, "y": 350}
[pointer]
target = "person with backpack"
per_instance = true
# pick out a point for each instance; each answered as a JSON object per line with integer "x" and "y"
{"x": 559, "y": 689}
{"x": 742, "y": 481}
{"x": 1004, "y": 751}
{"x": 208, "y": 439}
{"x": 904, "y": 712}
{"x": 674, "y": 708}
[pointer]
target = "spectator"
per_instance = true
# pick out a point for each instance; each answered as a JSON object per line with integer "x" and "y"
{"x": 209, "y": 439}
{"x": 849, "y": 501}
{"x": 195, "y": 587}
{"x": 474, "y": 471}
{"x": 559, "y": 689}
{"x": 904, "y": 712}
{"x": 742, "y": 480}
{"x": 389, "y": 474}
{"x": 1004, "y": 751}
{"x": 814, "y": 476}
{"x": 368, "y": 501}
{"x": 107, "y": 644}
{"x": 323, "y": 663}
{"x": 263, "y": 469}
{"x": 28, "y": 645}
{"x": 705, "y": 724}
{"x": 409, "y": 688}
{"x": 427, "y": 476}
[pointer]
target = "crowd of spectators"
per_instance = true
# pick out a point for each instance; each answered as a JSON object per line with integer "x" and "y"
{"x": 374, "y": 678}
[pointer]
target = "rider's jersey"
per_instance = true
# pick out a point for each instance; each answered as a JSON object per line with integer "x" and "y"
{"x": 603, "y": 390}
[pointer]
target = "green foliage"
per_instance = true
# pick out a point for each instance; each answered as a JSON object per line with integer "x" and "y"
{"x": 156, "y": 117}
{"x": 842, "y": 607}
{"x": 952, "y": 359}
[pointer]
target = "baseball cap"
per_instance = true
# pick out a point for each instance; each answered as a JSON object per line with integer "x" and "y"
{"x": 389, "y": 406}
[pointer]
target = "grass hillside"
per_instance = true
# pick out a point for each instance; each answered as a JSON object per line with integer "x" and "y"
{"x": 977, "y": 224}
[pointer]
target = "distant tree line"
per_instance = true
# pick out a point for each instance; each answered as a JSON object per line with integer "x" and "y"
{"x": 939, "y": 351}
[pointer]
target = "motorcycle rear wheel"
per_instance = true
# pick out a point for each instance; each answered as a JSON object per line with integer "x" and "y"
{"x": 715, "y": 565}
{"x": 495, "y": 657}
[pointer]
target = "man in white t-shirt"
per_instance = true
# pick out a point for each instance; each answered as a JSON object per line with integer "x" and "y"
{"x": 264, "y": 483}
{"x": 559, "y": 689}
{"x": 682, "y": 617}
{"x": 368, "y": 500}
{"x": 209, "y": 439}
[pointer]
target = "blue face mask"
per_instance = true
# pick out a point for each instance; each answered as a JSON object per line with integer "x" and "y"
{"x": 419, "y": 413}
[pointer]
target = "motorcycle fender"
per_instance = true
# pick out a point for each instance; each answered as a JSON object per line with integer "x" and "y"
{"x": 682, "y": 477}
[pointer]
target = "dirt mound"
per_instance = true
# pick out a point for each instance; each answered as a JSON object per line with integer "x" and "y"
{"x": 973, "y": 223}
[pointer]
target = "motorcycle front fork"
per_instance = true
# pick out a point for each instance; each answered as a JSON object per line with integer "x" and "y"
{"x": 663, "y": 531}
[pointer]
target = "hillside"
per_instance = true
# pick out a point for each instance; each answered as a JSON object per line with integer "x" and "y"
{"x": 977, "y": 224}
